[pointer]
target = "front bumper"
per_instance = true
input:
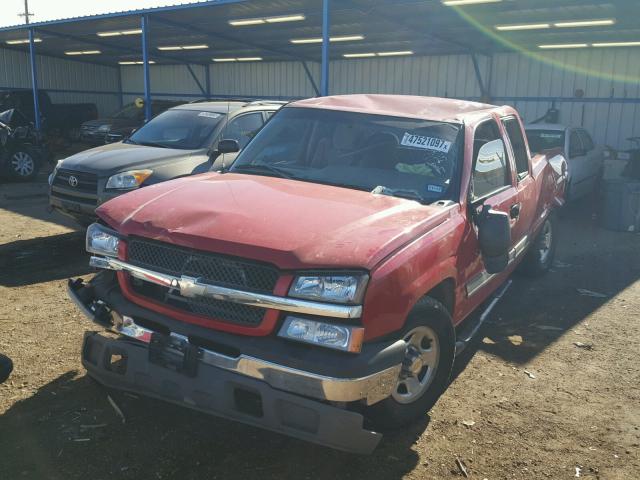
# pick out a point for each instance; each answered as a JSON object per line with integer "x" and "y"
{"x": 291, "y": 383}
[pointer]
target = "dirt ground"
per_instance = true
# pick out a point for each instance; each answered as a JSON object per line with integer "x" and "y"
{"x": 551, "y": 391}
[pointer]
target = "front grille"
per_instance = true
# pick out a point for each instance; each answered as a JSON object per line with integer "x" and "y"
{"x": 84, "y": 182}
{"x": 212, "y": 268}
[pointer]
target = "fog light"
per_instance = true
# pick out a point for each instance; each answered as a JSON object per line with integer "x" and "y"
{"x": 323, "y": 334}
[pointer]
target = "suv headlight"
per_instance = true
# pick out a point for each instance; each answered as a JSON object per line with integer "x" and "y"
{"x": 127, "y": 180}
{"x": 102, "y": 240}
{"x": 334, "y": 288}
{"x": 55, "y": 170}
{"x": 339, "y": 337}
{"x": 104, "y": 128}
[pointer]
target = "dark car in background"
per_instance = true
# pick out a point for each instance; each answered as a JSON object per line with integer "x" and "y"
{"x": 179, "y": 142}
{"x": 121, "y": 123}
{"x": 61, "y": 120}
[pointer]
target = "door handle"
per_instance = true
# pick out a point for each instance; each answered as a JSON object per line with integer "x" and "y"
{"x": 514, "y": 211}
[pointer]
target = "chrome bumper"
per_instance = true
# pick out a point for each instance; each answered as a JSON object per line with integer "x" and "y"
{"x": 193, "y": 287}
{"x": 372, "y": 388}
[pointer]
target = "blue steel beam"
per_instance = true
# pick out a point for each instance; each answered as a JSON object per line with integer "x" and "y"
{"x": 326, "y": 27}
{"x": 207, "y": 79}
{"x": 311, "y": 79}
{"x": 195, "y": 79}
{"x": 145, "y": 67}
{"x": 34, "y": 79}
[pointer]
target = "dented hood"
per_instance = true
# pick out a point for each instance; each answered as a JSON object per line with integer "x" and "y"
{"x": 292, "y": 224}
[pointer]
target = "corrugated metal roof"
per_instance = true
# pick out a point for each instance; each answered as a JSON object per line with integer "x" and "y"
{"x": 426, "y": 27}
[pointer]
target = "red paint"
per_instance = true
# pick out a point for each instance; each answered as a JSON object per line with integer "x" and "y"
{"x": 407, "y": 248}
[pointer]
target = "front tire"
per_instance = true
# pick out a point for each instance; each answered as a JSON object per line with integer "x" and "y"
{"x": 426, "y": 367}
{"x": 540, "y": 256}
{"x": 23, "y": 165}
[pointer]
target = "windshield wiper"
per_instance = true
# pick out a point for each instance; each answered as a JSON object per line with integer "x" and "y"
{"x": 152, "y": 144}
{"x": 262, "y": 168}
{"x": 399, "y": 192}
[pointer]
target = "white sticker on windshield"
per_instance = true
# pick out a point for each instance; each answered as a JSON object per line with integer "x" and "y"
{"x": 551, "y": 135}
{"x": 209, "y": 114}
{"x": 426, "y": 143}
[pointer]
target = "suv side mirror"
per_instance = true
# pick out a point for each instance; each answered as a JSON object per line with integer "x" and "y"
{"x": 494, "y": 236}
{"x": 228, "y": 146}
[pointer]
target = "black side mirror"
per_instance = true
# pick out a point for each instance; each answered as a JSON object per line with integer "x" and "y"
{"x": 228, "y": 146}
{"x": 494, "y": 236}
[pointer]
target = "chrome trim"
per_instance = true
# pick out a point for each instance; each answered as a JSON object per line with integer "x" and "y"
{"x": 193, "y": 287}
{"x": 480, "y": 280}
{"x": 372, "y": 388}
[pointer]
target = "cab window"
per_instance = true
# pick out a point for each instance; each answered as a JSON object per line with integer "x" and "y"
{"x": 491, "y": 166}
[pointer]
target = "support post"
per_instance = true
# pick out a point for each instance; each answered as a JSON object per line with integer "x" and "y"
{"x": 34, "y": 79}
{"x": 483, "y": 90}
{"x": 145, "y": 68}
{"x": 326, "y": 27}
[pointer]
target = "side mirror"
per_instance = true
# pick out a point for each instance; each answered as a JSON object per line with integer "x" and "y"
{"x": 228, "y": 146}
{"x": 494, "y": 236}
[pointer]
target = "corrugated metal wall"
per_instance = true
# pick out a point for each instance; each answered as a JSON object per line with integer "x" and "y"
{"x": 56, "y": 73}
{"x": 609, "y": 78}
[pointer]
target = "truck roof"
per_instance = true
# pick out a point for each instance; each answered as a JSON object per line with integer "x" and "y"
{"x": 427, "y": 108}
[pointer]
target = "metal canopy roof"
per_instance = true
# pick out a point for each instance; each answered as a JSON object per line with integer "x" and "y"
{"x": 426, "y": 27}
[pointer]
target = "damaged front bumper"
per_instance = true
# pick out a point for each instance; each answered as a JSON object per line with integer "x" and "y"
{"x": 262, "y": 381}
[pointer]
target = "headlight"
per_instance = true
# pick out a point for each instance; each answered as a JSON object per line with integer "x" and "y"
{"x": 330, "y": 288}
{"x": 338, "y": 337}
{"x": 55, "y": 170}
{"x": 126, "y": 180}
{"x": 104, "y": 128}
{"x": 102, "y": 240}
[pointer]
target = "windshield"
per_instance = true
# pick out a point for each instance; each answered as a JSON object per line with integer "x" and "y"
{"x": 181, "y": 129}
{"x": 129, "y": 112}
{"x": 540, "y": 140}
{"x": 404, "y": 157}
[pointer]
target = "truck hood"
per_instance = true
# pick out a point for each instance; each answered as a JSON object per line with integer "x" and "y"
{"x": 118, "y": 157}
{"x": 292, "y": 224}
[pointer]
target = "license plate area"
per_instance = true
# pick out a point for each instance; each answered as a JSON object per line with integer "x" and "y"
{"x": 175, "y": 353}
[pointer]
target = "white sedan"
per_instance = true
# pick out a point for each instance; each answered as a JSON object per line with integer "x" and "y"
{"x": 585, "y": 161}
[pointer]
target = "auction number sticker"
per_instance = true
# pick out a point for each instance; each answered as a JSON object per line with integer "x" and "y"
{"x": 426, "y": 143}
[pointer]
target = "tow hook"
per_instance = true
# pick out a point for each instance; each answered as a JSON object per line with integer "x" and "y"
{"x": 411, "y": 363}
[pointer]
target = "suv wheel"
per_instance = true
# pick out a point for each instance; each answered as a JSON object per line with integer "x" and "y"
{"x": 425, "y": 369}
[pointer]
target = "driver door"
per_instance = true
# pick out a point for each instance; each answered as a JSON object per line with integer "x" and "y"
{"x": 241, "y": 129}
{"x": 493, "y": 184}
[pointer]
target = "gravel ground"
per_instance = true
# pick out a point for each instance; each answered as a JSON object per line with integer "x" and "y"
{"x": 550, "y": 390}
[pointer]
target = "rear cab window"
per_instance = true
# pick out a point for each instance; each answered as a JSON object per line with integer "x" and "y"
{"x": 518, "y": 145}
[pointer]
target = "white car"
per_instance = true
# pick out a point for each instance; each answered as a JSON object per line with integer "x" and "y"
{"x": 585, "y": 161}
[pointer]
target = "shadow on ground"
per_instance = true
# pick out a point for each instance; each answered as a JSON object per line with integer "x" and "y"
{"x": 535, "y": 312}
{"x": 68, "y": 430}
{"x": 25, "y": 262}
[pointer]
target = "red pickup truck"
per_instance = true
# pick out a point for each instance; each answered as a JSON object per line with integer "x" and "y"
{"x": 322, "y": 285}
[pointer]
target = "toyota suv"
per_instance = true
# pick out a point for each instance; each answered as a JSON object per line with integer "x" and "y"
{"x": 179, "y": 142}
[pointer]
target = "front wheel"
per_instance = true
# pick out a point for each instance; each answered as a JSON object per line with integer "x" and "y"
{"x": 540, "y": 256}
{"x": 425, "y": 369}
{"x": 23, "y": 164}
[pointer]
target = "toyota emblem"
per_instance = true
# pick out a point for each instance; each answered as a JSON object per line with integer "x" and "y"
{"x": 73, "y": 181}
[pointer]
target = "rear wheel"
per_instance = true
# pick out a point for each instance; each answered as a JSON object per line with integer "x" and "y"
{"x": 541, "y": 254}
{"x": 425, "y": 369}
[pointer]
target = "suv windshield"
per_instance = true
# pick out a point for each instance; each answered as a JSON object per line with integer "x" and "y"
{"x": 404, "y": 157}
{"x": 540, "y": 140}
{"x": 181, "y": 129}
